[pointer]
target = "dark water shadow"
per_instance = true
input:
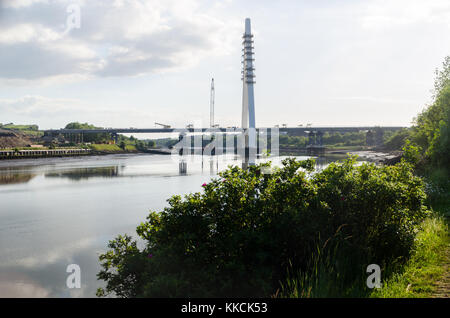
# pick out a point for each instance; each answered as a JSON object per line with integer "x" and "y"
{"x": 13, "y": 176}
{"x": 86, "y": 173}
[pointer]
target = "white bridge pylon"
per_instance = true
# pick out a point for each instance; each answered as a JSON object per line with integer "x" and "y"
{"x": 248, "y": 94}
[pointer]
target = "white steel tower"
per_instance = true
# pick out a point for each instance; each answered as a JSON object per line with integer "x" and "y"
{"x": 248, "y": 98}
{"x": 248, "y": 78}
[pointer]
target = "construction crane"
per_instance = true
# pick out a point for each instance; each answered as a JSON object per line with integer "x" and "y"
{"x": 211, "y": 105}
{"x": 162, "y": 125}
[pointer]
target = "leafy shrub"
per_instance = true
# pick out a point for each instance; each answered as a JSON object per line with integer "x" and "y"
{"x": 398, "y": 139}
{"x": 411, "y": 153}
{"x": 432, "y": 127}
{"x": 241, "y": 234}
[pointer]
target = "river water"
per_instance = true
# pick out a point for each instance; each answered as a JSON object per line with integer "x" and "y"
{"x": 61, "y": 211}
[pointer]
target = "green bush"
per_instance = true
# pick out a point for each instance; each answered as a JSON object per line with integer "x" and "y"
{"x": 398, "y": 139}
{"x": 431, "y": 131}
{"x": 246, "y": 229}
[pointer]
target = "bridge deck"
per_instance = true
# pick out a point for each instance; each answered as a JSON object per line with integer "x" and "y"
{"x": 289, "y": 130}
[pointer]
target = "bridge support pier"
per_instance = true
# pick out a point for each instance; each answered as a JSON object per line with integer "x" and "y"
{"x": 370, "y": 138}
{"x": 182, "y": 167}
{"x": 115, "y": 137}
{"x": 181, "y": 138}
{"x": 379, "y": 136}
{"x": 311, "y": 138}
{"x": 319, "y": 138}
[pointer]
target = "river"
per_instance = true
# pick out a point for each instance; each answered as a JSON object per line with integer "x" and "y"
{"x": 60, "y": 211}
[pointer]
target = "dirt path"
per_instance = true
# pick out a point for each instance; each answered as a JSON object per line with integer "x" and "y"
{"x": 443, "y": 286}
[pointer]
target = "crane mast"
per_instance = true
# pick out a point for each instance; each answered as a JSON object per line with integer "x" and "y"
{"x": 211, "y": 105}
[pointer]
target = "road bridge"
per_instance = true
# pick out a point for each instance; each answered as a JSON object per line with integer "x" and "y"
{"x": 292, "y": 131}
{"x": 314, "y": 134}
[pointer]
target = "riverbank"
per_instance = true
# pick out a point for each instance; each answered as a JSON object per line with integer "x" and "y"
{"x": 377, "y": 156}
{"x": 91, "y": 150}
{"x": 427, "y": 273}
{"x": 42, "y": 153}
{"x": 334, "y": 153}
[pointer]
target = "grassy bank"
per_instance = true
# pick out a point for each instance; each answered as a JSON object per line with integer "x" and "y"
{"x": 419, "y": 276}
{"x": 112, "y": 148}
{"x": 31, "y": 130}
{"x": 416, "y": 277}
{"x": 427, "y": 264}
{"x": 20, "y": 127}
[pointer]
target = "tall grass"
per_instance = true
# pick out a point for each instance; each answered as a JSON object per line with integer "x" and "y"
{"x": 438, "y": 190}
{"x": 333, "y": 274}
{"x": 330, "y": 273}
{"x": 424, "y": 268}
{"x": 419, "y": 275}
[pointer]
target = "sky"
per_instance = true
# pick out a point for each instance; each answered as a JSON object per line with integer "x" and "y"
{"x": 134, "y": 63}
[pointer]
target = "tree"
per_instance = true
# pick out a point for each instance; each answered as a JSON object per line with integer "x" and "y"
{"x": 77, "y": 125}
{"x": 370, "y": 138}
{"x": 397, "y": 140}
{"x": 94, "y": 138}
{"x": 439, "y": 141}
{"x": 442, "y": 77}
{"x": 428, "y": 140}
{"x": 241, "y": 233}
{"x": 431, "y": 130}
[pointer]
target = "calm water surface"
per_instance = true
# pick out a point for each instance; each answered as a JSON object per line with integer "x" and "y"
{"x": 61, "y": 211}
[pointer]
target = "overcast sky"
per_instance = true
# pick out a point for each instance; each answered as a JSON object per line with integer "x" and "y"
{"x": 131, "y": 63}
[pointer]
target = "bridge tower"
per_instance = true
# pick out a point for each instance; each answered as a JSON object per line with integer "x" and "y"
{"x": 211, "y": 105}
{"x": 248, "y": 96}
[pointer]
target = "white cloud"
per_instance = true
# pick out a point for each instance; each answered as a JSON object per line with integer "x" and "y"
{"x": 23, "y": 33}
{"x": 20, "y": 3}
{"x": 375, "y": 99}
{"x": 22, "y": 289}
{"x": 46, "y": 110}
{"x": 120, "y": 38}
{"x": 35, "y": 104}
{"x": 382, "y": 14}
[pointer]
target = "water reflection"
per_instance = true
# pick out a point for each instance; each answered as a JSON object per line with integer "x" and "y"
{"x": 86, "y": 173}
{"x": 322, "y": 162}
{"x": 15, "y": 178}
{"x": 9, "y": 175}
